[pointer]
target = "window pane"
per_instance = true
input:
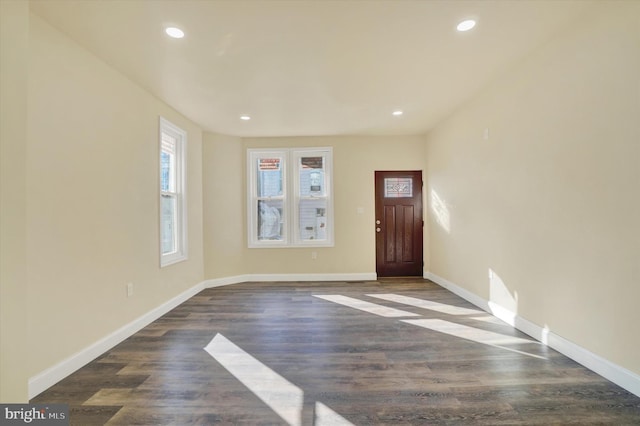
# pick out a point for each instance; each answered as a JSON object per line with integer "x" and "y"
{"x": 312, "y": 176}
{"x": 398, "y": 187}
{"x": 270, "y": 219}
{"x": 313, "y": 219}
{"x": 167, "y": 171}
{"x": 173, "y": 224}
{"x": 270, "y": 177}
{"x": 168, "y": 222}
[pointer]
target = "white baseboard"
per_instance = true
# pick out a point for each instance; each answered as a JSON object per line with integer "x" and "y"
{"x": 453, "y": 288}
{"x": 619, "y": 375}
{"x": 613, "y": 372}
{"x": 219, "y": 282}
{"x": 364, "y": 276}
{"x": 54, "y": 374}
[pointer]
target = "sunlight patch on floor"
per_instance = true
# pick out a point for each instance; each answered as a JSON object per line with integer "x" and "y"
{"x": 282, "y": 396}
{"x": 325, "y": 416}
{"x": 478, "y": 335}
{"x": 485, "y": 337}
{"x": 490, "y": 319}
{"x": 372, "y": 308}
{"x": 427, "y": 304}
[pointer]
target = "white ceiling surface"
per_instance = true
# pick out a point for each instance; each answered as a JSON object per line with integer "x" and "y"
{"x": 307, "y": 68}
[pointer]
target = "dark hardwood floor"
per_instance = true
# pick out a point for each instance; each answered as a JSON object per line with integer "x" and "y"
{"x": 315, "y": 354}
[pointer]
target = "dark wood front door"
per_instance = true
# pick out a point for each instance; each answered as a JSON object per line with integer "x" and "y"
{"x": 399, "y": 223}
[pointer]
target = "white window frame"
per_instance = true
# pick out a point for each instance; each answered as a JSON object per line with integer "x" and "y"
{"x": 326, "y": 195}
{"x": 253, "y": 155}
{"x": 290, "y": 197}
{"x": 179, "y": 253}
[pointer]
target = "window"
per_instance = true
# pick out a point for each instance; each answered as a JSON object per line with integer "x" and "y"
{"x": 173, "y": 224}
{"x": 290, "y": 197}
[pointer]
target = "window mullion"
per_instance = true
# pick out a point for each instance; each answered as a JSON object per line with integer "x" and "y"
{"x": 304, "y": 202}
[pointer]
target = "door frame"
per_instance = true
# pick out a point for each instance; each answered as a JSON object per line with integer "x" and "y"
{"x": 417, "y": 247}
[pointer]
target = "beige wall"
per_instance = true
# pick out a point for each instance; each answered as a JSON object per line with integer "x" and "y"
{"x": 14, "y": 40}
{"x": 551, "y": 201}
{"x": 355, "y": 158}
{"x": 92, "y": 200}
{"x": 223, "y": 199}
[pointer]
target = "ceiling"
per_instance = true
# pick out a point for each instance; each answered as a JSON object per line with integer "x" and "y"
{"x": 308, "y": 68}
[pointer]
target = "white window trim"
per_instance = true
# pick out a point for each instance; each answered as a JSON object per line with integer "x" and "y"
{"x": 291, "y": 197}
{"x": 296, "y": 154}
{"x": 181, "y": 253}
{"x": 252, "y": 197}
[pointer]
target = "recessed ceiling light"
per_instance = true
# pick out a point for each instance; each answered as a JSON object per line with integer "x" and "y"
{"x": 397, "y": 112}
{"x": 466, "y": 25}
{"x": 245, "y": 117}
{"x": 174, "y": 32}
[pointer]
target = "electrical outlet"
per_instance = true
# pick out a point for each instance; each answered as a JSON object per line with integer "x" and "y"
{"x": 314, "y": 255}
{"x": 129, "y": 289}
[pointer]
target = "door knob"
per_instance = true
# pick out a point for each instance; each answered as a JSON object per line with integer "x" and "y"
{"x": 377, "y": 222}
{"x": 377, "y": 229}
